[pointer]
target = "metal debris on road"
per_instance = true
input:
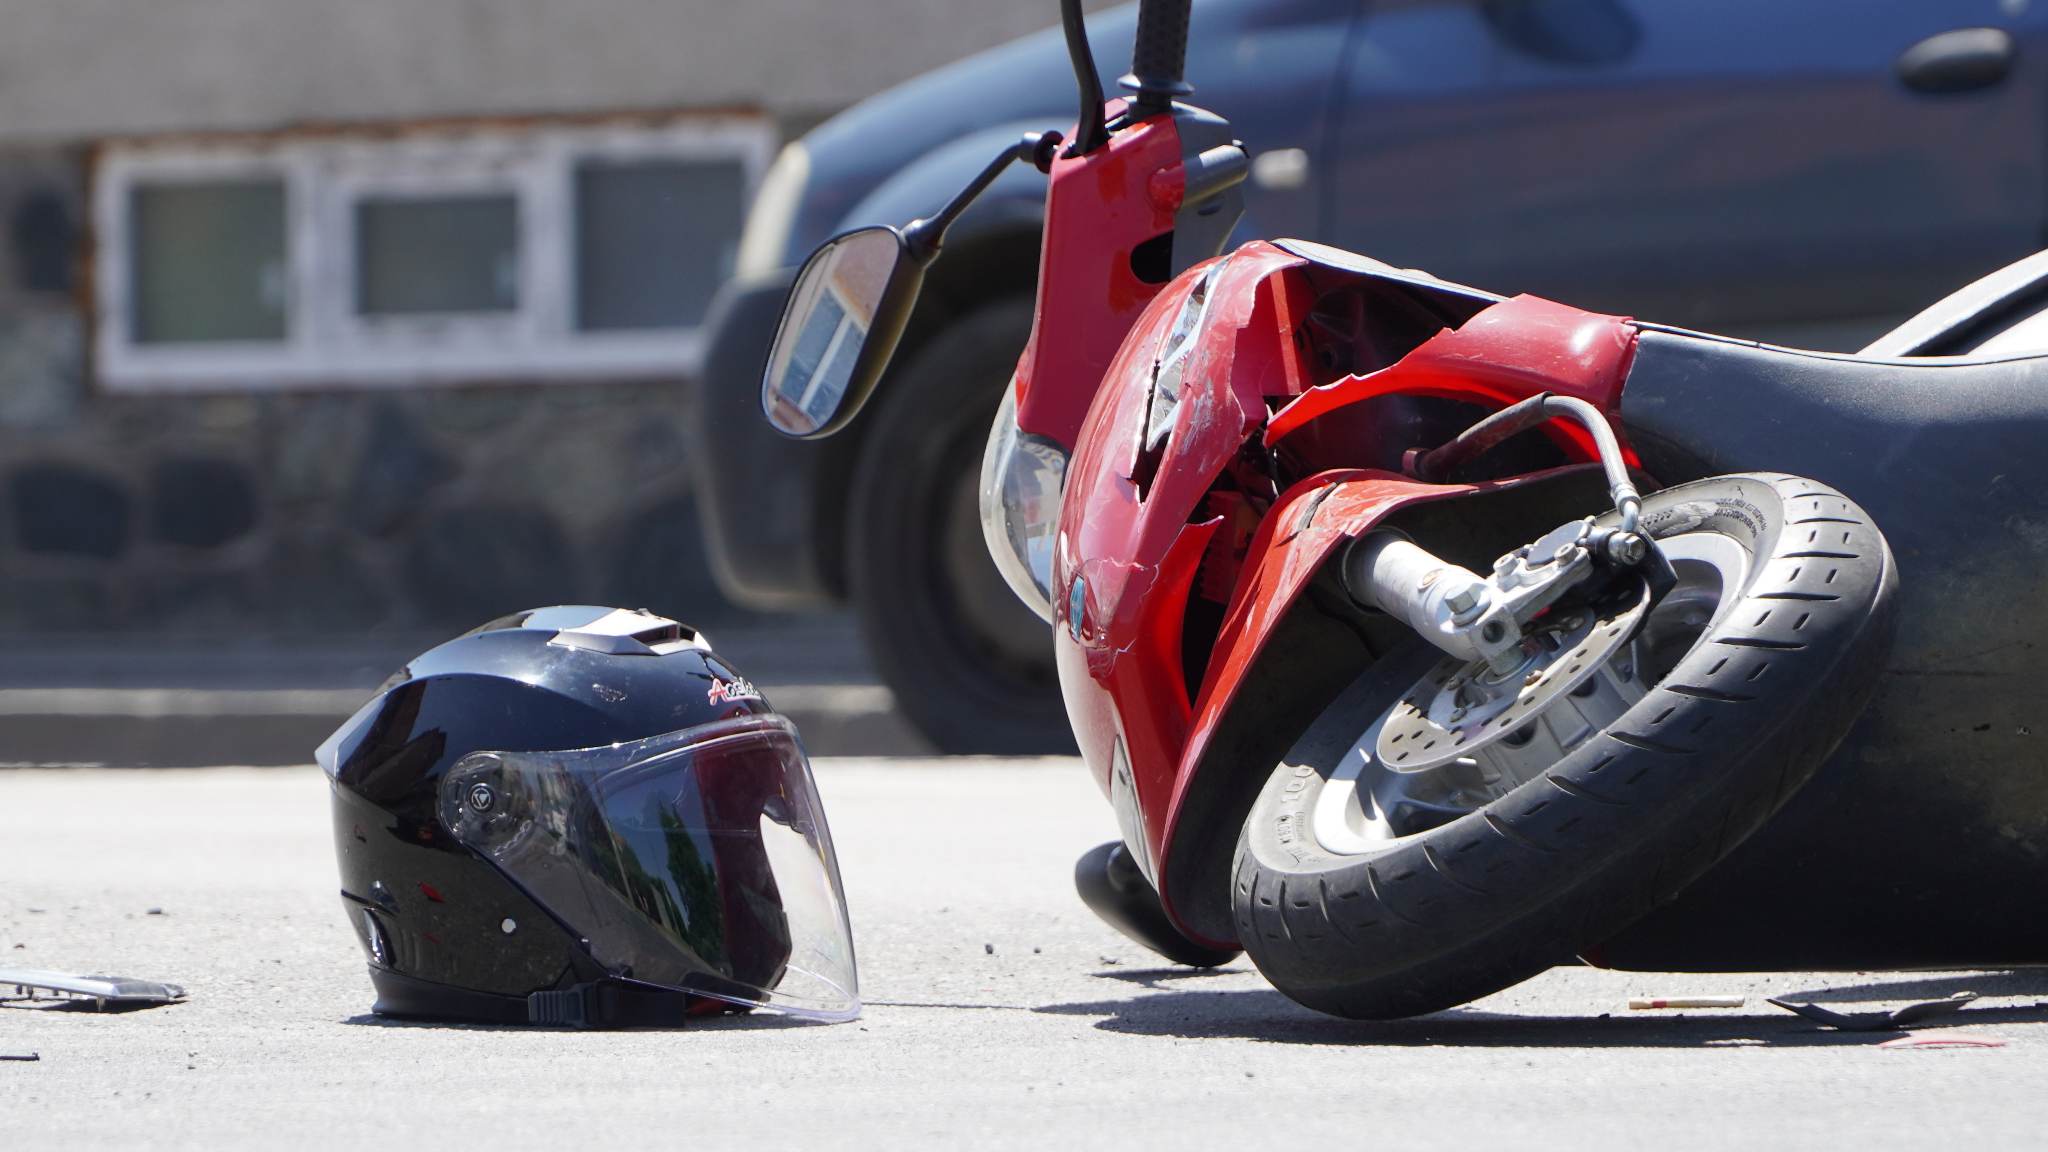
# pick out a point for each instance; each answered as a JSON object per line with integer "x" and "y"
{"x": 22, "y": 1057}
{"x": 1647, "y": 1003}
{"x": 1879, "y": 1021}
{"x": 103, "y": 991}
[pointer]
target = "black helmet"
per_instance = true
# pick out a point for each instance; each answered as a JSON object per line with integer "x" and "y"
{"x": 583, "y": 816}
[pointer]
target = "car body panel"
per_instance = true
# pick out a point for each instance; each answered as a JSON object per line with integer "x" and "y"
{"x": 1757, "y": 167}
{"x": 1753, "y": 166}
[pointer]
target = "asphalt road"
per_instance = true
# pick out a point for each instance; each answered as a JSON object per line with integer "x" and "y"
{"x": 999, "y": 1013}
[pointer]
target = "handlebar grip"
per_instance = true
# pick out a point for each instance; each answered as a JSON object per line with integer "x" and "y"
{"x": 1160, "y": 55}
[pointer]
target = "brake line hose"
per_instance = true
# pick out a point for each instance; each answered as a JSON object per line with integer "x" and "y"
{"x": 1515, "y": 419}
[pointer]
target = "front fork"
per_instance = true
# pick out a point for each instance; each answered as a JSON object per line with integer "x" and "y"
{"x": 1487, "y": 619}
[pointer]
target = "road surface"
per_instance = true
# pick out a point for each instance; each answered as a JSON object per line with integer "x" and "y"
{"x": 999, "y": 1013}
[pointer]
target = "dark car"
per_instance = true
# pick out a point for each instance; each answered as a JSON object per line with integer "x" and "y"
{"x": 1802, "y": 171}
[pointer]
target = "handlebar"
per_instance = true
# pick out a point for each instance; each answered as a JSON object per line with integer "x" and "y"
{"x": 1159, "y": 57}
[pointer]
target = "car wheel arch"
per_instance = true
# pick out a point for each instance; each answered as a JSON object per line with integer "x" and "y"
{"x": 977, "y": 269}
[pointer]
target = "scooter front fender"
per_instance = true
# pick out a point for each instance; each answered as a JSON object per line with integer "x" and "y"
{"x": 1287, "y": 648}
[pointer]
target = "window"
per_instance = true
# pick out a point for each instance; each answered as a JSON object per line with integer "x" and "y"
{"x": 437, "y": 254}
{"x": 644, "y": 230}
{"x": 208, "y": 260}
{"x": 822, "y": 361}
{"x": 493, "y": 252}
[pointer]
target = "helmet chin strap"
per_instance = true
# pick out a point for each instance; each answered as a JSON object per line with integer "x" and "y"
{"x": 613, "y": 1003}
{"x": 604, "y": 1003}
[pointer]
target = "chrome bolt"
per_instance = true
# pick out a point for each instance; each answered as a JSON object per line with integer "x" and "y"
{"x": 1467, "y": 601}
{"x": 1627, "y": 548}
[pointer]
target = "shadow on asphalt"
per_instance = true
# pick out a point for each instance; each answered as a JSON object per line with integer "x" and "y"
{"x": 749, "y": 1022}
{"x": 1177, "y": 1010}
{"x": 1163, "y": 979}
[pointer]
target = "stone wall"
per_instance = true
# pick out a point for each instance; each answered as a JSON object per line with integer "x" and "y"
{"x": 311, "y": 513}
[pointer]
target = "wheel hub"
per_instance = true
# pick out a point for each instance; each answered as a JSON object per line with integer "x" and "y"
{"x": 1461, "y": 707}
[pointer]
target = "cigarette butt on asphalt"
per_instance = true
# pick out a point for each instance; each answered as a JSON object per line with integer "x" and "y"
{"x": 1648, "y": 1003}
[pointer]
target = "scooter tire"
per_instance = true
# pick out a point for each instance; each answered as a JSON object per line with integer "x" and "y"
{"x": 1618, "y": 826}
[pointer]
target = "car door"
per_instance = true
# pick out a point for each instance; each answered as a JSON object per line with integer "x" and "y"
{"x": 1774, "y": 168}
{"x": 1273, "y": 69}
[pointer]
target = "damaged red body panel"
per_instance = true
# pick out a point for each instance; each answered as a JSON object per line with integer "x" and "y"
{"x": 1099, "y": 209}
{"x": 1149, "y": 535}
{"x": 1304, "y": 532}
{"x": 1509, "y": 352}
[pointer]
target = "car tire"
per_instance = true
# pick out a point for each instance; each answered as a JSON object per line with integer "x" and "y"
{"x": 970, "y": 666}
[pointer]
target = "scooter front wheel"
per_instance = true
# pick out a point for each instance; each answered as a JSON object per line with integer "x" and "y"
{"x": 1371, "y": 889}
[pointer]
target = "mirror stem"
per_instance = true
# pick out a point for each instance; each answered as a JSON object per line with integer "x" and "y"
{"x": 1091, "y": 131}
{"x": 922, "y": 238}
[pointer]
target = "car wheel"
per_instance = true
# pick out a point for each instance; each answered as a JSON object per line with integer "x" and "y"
{"x": 971, "y": 667}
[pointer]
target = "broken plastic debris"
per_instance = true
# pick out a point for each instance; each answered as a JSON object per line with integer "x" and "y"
{"x": 1912, "y": 1041}
{"x": 1646, "y": 1003}
{"x": 103, "y": 991}
{"x": 1879, "y": 1021}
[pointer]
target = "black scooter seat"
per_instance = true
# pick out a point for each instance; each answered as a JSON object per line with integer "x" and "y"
{"x": 1923, "y": 842}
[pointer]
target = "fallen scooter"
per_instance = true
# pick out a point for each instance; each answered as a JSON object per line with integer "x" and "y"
{"x": 1423, "y": 639}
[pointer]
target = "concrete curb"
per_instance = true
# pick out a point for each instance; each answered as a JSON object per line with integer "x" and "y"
{"x": 110, "y": 701}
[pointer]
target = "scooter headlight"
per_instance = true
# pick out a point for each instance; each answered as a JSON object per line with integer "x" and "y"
{"x": 1021, "y": 478}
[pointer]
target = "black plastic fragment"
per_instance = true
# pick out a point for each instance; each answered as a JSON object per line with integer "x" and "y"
{"x": 1891, "y": 1021}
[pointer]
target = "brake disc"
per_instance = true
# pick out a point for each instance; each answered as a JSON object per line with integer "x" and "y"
{"x": 1461, "y": 707}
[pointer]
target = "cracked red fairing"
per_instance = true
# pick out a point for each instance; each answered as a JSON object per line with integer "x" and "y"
{"x": 1302, "y": 533}
{"x": 1145, "y": 538}
{"x": 1509, "y": 352}
{"x": 1136, "y": 555}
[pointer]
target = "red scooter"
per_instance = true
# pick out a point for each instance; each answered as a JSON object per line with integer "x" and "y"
{"x": 1423, "y": 639}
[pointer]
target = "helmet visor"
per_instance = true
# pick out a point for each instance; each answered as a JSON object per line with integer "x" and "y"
{"x": 698, "y": 860}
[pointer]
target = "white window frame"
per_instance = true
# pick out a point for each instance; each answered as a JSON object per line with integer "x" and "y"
{"x": 327, "y": 343}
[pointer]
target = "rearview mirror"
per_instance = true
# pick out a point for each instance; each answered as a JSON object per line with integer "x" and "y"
{"x": 839, "y": 328}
